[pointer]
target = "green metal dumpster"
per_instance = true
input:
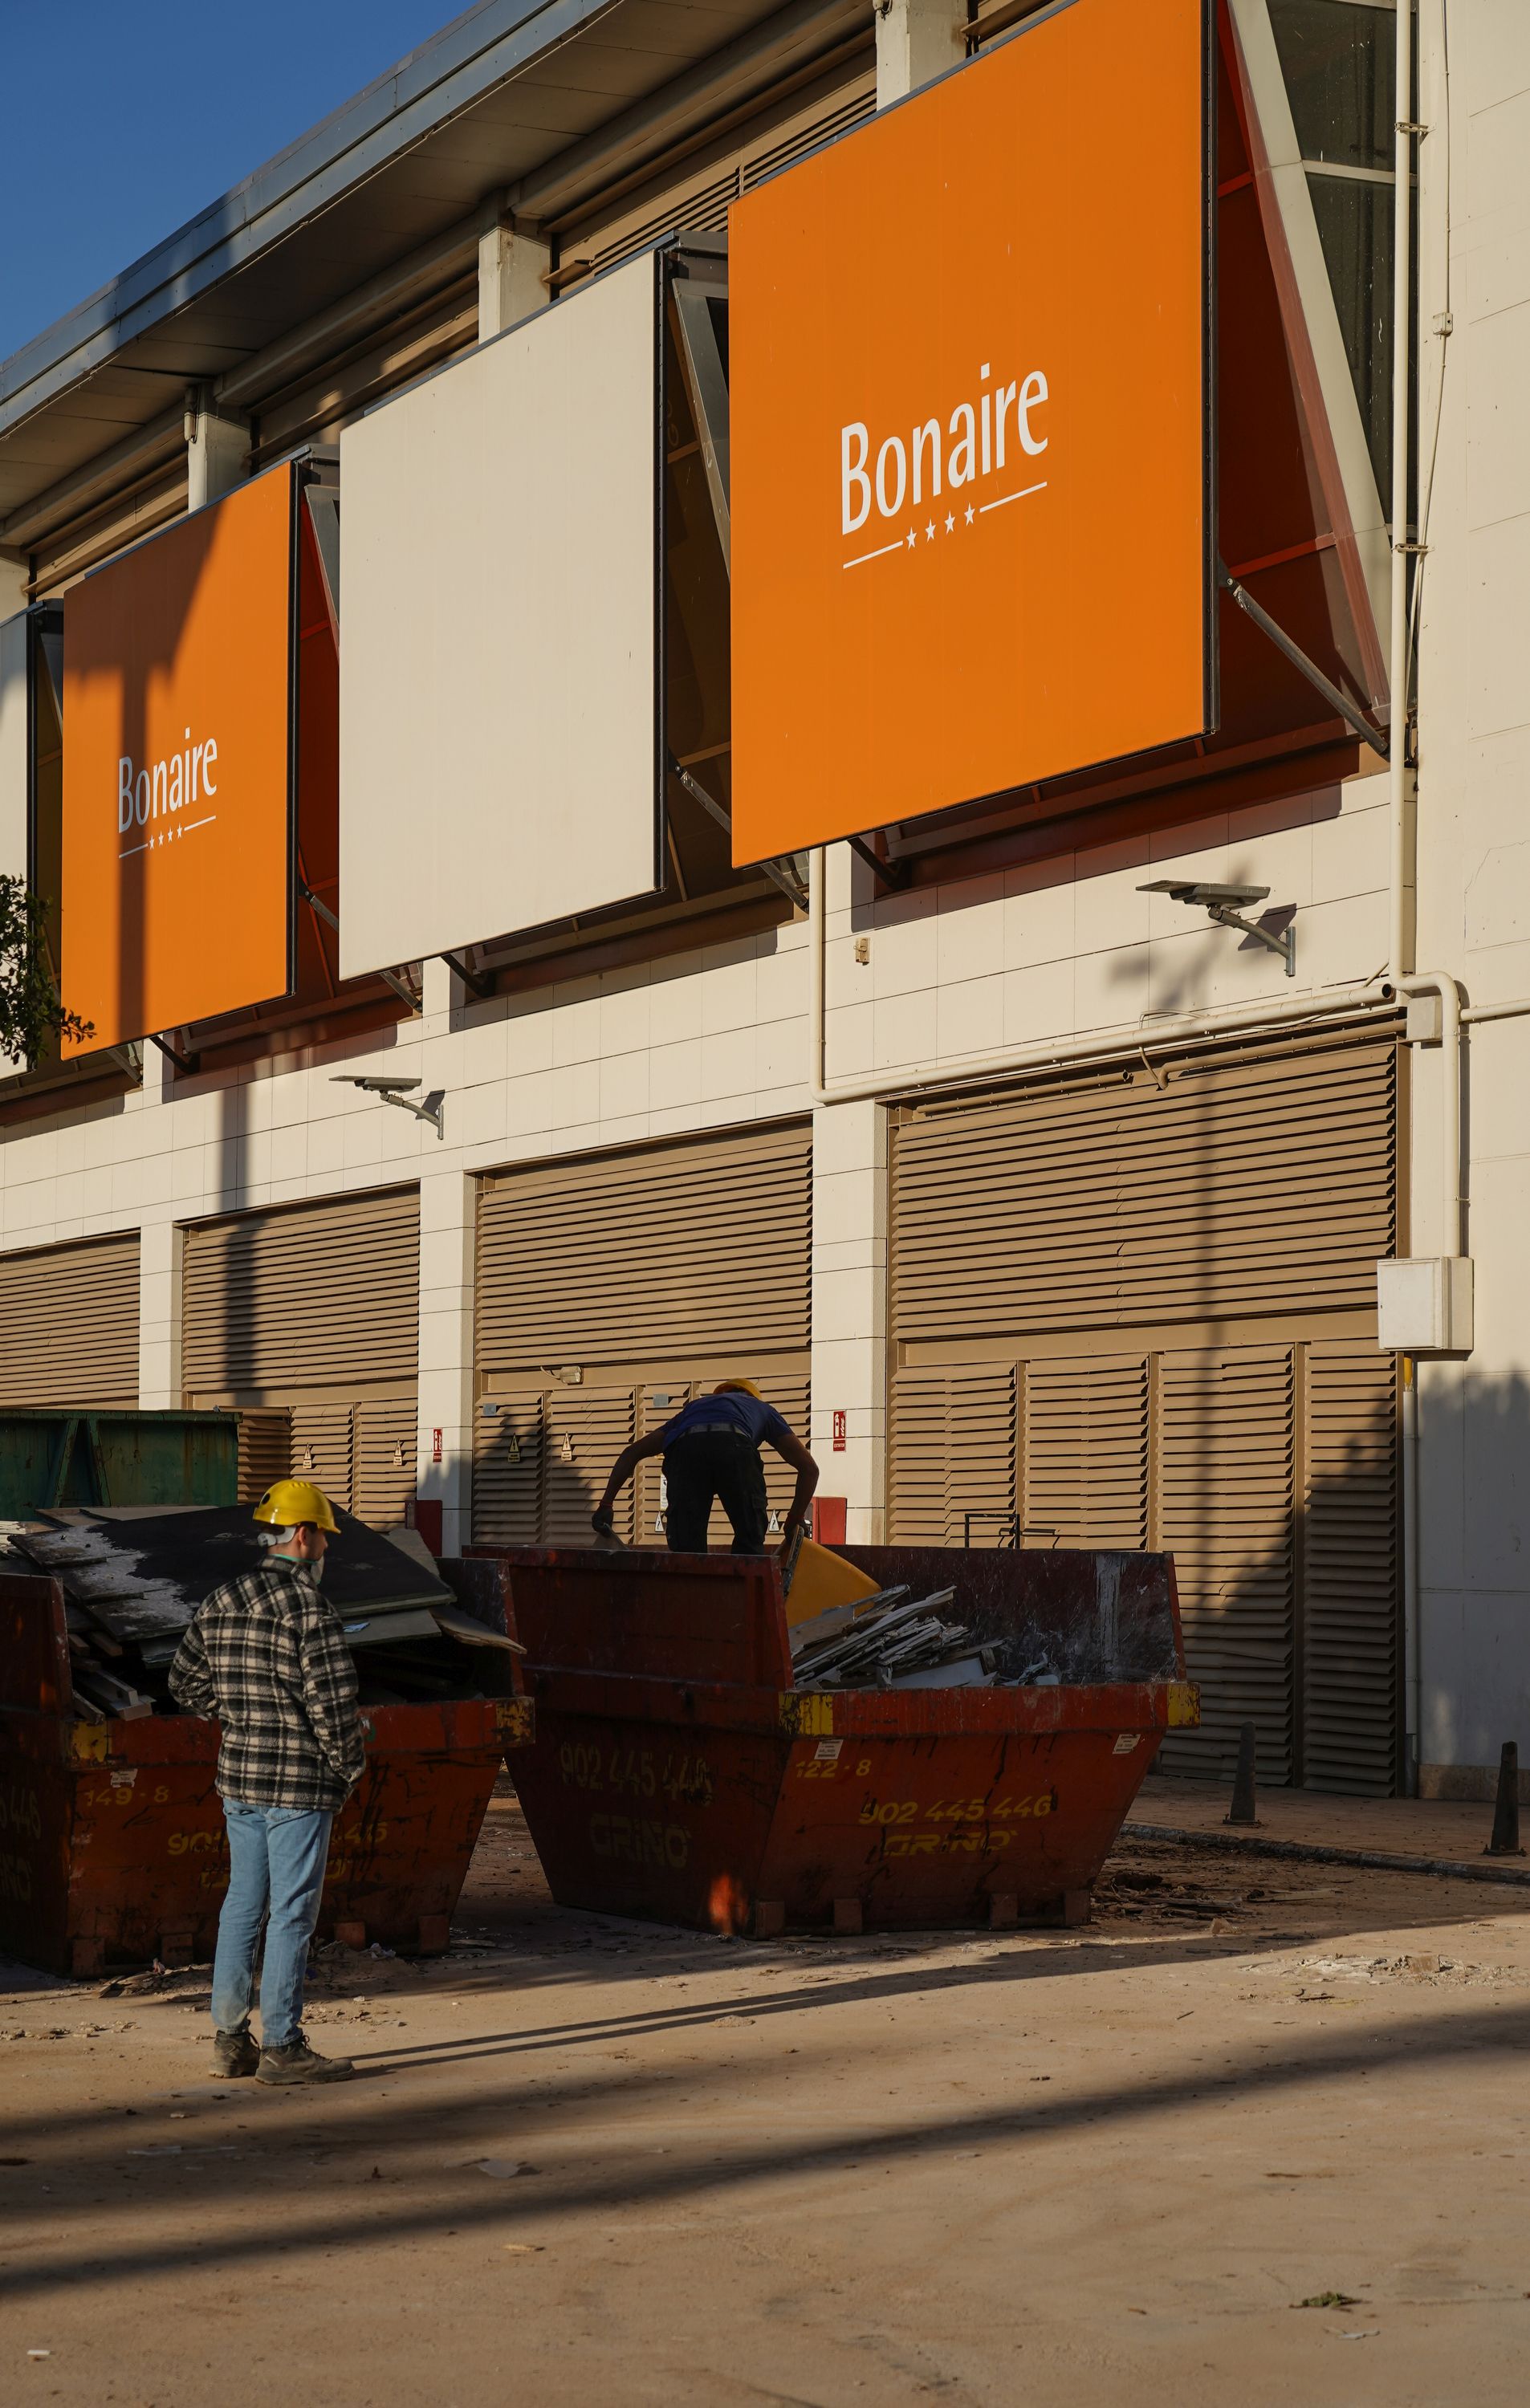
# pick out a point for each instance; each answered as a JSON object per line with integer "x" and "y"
{"x": 116, "y": 1458}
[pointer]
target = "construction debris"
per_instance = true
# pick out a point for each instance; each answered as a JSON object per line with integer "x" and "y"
{"x": 890, "y": 1640}
{"x": 133, "y": 1578}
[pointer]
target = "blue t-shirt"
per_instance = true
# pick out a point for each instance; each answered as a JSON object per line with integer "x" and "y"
{"x": 735, "y": 1410}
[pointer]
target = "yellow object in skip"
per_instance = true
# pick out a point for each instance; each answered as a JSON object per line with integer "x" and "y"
{"x": 821, "y": 1580}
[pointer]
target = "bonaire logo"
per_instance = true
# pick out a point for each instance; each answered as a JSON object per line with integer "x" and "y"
{"x": 153, "y": 798}
{"x": 935, "y": 477}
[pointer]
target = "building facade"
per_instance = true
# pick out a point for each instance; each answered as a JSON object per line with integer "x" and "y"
{"x": 1050, "y": 1203}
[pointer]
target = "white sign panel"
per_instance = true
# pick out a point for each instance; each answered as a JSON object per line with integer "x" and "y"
{"x": 498, "y": 649}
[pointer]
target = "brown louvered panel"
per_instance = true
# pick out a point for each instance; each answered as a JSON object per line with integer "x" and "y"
{"x": 662, "y": 1253}
{"x": 700, "y": 201}
{"x": 69, "y": 1325}
{"x": 386, "y": 1440}
{"x": 303, "y": 1297}
{"x": 83, "y": 542}
{"x": 265, "y": 1451}
{"x": 1226, "y": 1497}
{"x": 658, "y": 1401}
{"x": 700, "y": 205}
{"x": 1353, "y": 1626}
{"x": 951, "y": 1452}
{"x": 583, "y": 1432}
{"x": 1244, "y": 1188}
{"x": 437, "y": 329}
{"x": 790, "y": 1398}
{"x": 1086, "y": 1450}
{"x": 507, "y": 1472}
{"x": 321, "y": 1449}
{"x": 824, "y": 122}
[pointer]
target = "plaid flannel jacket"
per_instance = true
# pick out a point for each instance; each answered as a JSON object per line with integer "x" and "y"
{"x": 266, "y": 1657}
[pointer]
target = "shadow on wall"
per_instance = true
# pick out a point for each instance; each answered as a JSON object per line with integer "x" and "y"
{"x": 1289, "y": 1558}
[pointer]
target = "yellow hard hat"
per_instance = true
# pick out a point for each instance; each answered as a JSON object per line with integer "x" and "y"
{"x": 287, "y": 1502}
{"x": 744, "y": 1387}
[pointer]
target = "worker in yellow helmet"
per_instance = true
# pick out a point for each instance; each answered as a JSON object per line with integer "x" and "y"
{"x": 711, "y": 1450}
{"x": 265, "y": 1656}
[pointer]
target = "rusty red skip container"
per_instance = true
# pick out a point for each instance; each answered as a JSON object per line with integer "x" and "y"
{"x": 675, "y": 1773}
{"x": 111, "y": 1834}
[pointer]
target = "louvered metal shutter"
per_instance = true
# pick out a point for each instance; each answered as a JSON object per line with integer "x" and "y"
{"x": 1226, "y": 1515}
{"x": 265, "y": 1451}
{"x": 323, "y": 1449}
{"x": 1352, "y": 1624}
{"x": 308, "y": 1320}
{"x": 313, "y": 1296}
{"x": 383, "y": 1451}
{"x": 634, "y": 1269}
{"x": 69, "y": 1325}
{"x": 1086, "y": 1450}
{"x": 700, "y": 201}
{"x": 507, "y": 1472}
{"x": 657, "y": 1402}
{"x": 654, "y": 1257}
{"x": 1267, "y": 1467}
{"x": 1253, "y": 1188}
{"x": 791, "y": 1400}
{"x": 583, "y": 1432}
{"x": 953, "y": 1456}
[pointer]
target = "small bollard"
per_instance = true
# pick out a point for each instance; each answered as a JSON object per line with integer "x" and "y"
{"x": 1505, "y": 1813}
{"x": 1242, "y": 1809}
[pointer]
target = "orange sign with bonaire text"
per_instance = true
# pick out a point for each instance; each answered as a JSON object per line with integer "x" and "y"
{"x": 178, "y": 699}
{"x": 969, "y": 414}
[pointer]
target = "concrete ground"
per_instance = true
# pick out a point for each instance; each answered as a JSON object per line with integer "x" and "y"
{"x": 1260, "y": 2134}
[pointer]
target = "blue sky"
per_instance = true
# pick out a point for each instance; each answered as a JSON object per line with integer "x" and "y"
{"x": 123, "y": 118}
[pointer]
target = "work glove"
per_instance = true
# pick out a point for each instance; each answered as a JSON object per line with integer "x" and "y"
{"x": 602, "y": 1522}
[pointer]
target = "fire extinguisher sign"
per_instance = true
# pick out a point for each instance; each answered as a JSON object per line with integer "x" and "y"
{"x": 839, "y": 1433}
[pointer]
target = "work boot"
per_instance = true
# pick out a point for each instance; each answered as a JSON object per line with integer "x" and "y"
{"x": 234, "y": 2053}
{"x": 297, "y": 2063}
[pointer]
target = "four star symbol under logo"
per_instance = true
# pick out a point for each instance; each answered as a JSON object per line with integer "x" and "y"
{"x": 912, "y": 537}
{"x": 951, "y": 526}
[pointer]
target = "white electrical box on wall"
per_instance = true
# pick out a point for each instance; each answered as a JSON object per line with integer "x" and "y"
{"x": 1424, "y": 1305}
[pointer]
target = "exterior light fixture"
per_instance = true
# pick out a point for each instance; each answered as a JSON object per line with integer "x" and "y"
{"x": 1225, "y": 904}
{"x": 398, "y": 1090}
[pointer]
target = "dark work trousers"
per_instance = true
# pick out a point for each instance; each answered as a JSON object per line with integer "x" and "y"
{"x": 721, "y": 1463}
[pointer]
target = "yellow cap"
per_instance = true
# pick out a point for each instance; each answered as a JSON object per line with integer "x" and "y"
{"x": 287, "y": 1502}
{"x": 744, "y": 1387}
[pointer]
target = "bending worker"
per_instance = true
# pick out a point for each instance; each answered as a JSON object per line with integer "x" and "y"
{"x": 711, "y": 1448}
{"x": 267, "y": 1657}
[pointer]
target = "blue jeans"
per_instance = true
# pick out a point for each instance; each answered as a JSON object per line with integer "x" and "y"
{"x": 276, "y": 1876}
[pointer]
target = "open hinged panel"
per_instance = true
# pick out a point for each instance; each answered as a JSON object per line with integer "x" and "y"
{"x": 1303, "y": 345}
{"x": 536, "y": 712}
{"x": 320, "y": 1003}
{"x": 698, "y": 579}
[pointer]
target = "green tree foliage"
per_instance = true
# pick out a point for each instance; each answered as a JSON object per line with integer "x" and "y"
{"x": 31, "y": 1011}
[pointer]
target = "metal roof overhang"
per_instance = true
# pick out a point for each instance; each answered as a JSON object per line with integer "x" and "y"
{"x": 545, "y": 101}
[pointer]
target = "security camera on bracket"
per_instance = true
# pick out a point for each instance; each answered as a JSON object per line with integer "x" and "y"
{"x": 1225, "y": 905}
{"x": 397, "y": 1091}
